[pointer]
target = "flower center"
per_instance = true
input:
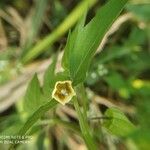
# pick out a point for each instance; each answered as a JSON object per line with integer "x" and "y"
{"x": 64, "y": 92}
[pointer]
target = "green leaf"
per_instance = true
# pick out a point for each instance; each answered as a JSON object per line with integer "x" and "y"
{"x": 118, "y": 124}
{"x": 49, "y": 78}
{"x": 33, "y": 97}
{"x": 35, "y": 117}
{"x": 84, "y": 41}
{"x": 71, "y": 41}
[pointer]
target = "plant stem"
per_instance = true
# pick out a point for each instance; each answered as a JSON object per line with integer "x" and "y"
{"x": 84, "y": 99}
{"x": 84, "y": 127}
{"x": 59, "y": 31}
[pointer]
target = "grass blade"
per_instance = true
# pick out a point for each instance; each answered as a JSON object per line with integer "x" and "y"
{"x": 59, "y": 31}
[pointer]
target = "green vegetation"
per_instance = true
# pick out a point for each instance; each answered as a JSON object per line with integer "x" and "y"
{"x": 105, "y": 61}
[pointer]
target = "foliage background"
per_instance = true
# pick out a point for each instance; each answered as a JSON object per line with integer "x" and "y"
{"x": 118, "y": 76}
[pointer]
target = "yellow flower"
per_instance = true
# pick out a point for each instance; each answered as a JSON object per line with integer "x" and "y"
{"x": 63, "y": 91}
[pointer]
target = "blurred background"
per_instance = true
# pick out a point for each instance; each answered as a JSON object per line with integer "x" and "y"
{"x": 31, "y": 31}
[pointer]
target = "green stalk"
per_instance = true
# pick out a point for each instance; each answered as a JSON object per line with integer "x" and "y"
{"x": 72, "y": 18}
{"x": 84, "y": 99}
{"x": 84, "y": 127}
